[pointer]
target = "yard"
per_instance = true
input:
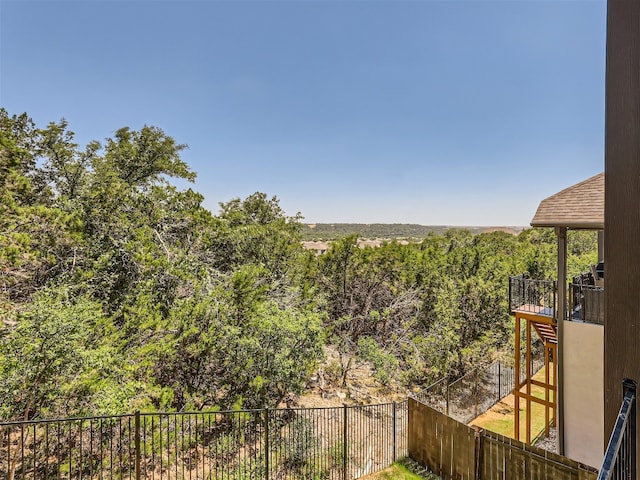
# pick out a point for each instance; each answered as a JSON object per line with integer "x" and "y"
{"x": 400, "y": 471}
{"x": 500, "y": 418}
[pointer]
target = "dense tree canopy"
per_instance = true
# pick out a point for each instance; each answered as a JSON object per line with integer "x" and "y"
{"x": 120, "y": 291}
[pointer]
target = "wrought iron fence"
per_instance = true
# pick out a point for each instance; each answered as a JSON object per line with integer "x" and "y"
{"x": 527, "y": 294}
{"x": 474, "y": 393}
{"x": 587, "y": 303}
{"x": 620, "y": 458}
{"x": 298, "y": 443}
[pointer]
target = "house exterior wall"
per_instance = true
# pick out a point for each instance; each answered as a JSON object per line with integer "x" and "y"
{"x": 584, "y": 392}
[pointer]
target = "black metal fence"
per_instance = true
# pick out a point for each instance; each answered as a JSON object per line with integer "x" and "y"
{"x": 532, "y": 295}
{"x": 300, "y": 443}
{"x": 587, "y": 303}
{"x": 620, "y": 458}
{"x": 471, "y": 395}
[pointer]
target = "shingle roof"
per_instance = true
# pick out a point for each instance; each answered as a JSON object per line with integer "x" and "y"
{"x": 579, "y": 206}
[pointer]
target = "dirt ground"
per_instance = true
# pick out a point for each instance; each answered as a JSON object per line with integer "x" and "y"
{"x": 325, "y": 389}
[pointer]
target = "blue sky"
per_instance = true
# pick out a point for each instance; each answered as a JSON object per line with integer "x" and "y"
{"x": 433, "y": 112}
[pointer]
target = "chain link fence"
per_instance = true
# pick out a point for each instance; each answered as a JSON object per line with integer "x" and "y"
{"x": 474, "y": 393}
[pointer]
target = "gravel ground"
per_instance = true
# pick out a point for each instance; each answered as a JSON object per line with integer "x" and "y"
{"x": 548, "y": 443}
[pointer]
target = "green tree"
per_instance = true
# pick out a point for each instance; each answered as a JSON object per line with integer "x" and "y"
{"x": 219, "y": 358}
{"x": 43, "y": 351}
{"x": 256, "y": 231}
{"x": 34, "y": 233}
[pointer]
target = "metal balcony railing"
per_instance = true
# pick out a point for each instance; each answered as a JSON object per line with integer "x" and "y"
{"x": 527, "y": 294}
{"x": 620, "y": 458}
{"x": 587, "y": 303}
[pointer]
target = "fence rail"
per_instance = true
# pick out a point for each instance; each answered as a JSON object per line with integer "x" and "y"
{"x": 299, "y": 443}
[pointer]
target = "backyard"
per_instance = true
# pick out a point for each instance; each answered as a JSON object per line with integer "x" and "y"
{"x": 404, "y": 470}
{"x": 500, "y": 418}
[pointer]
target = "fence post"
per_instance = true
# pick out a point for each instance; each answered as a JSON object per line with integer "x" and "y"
{"x": 447, "y": 396}
{"x": 499, "y": 381}
{"x": 344, "y": 443}
{"x": 478, "y": 434}
{"x": 475, "y": 390}
{"x": 394, "y": 431}
{"x": 266, "y": 443}
{"x": 137, "y": 445}
{"x": 533, "y": 365}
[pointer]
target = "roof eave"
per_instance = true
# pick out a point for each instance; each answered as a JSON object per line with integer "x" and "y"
{"x": 570, "y": 225}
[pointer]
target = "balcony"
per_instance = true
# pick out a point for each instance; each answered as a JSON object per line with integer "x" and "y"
{"x": 585, "y": 301}
{"x": 532, "y": 296}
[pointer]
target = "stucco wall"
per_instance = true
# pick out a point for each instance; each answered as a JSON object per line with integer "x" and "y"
{"x": 583, "y": 389}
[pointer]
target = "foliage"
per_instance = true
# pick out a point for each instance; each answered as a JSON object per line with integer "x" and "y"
{"x": 301, "y": 445}
{"x": 337, "y": 231}
{"x": 418, "y": 312}
{"x": 190, "y": 309}
{"x": 216, "y": 356}
{"x": 120, "y": 291}
{"x": 385, "y": 364}
{"x": 42, "y": 352}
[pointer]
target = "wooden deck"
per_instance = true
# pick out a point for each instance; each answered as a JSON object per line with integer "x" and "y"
{"x": 529, "y": 310}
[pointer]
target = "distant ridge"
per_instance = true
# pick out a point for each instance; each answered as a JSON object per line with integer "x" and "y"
{"x": 333, "y": 231}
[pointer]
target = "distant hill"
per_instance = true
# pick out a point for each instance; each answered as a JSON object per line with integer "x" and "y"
{"x": 333, "y": 231}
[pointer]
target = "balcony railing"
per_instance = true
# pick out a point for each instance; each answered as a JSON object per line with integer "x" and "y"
{"x": 587, "y": 303}
{"x": 537, "y": 296}
{"x": 620, "y": 459}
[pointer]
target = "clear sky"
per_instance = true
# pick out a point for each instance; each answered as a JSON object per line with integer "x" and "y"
{"x": 433, "y": 112}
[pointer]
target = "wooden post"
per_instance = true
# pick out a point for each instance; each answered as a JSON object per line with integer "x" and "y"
{"x": 478, "y": 435}
{"x": 529, "y": 374}
{"x": 600, "y": 245}
{"x": 554, "y": 352}
{"x": 561, "y": 233}
{"x": 516, "y": 387}
{"x": 622, "y": 200}
{"x": 546, "y": 389}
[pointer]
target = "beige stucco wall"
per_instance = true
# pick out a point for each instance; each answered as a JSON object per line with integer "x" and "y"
{"x": 584, "y": 392}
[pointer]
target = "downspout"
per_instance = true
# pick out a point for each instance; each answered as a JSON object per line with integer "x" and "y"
{"x": 561, "y": 233}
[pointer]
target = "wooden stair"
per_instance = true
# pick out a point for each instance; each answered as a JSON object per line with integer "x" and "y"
{"x": 548, "y": 332}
